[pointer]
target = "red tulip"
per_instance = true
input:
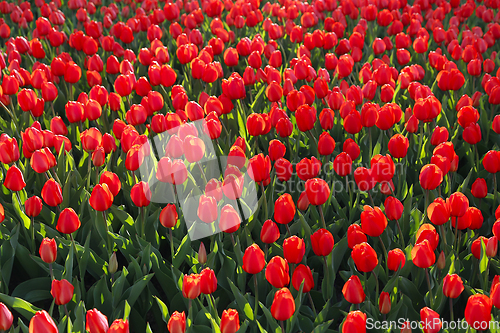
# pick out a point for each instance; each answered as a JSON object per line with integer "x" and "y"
{"x": 62, "y": 291}
{"x": 478, "y": 311}
{"x": 101, "y": 198}
{"x": 207, "y": 209}
{"x": 229, "y": 321}
{"x": 491, "y": 161}
{"x": 373, "y": 221}
{"x": 431, "y": 320}
{"x": 458, "y": 204}
{"x": 177, "y": 322}
{"x": 2, "y": 213}
{"x": 452, "y": 286}
{"x": 33, "y": 206}
{"x": 168, "y": 216}
{"x": 317, "y": 191}
{"x": 191, "y": 286}
{"x": 422, "y": 254}
{"x": 42, "y": 322}
{"x": 14, "y": 179}
{"x": 354, "y": 322}
{"x": 342, "y": 164}
{"x": 302, "y": 273}
{"x": 229, "y": 219}
{"x": 284, "y": 209}
{"x": 430, "y": 177}
{"x": 322, "y": 242}
{"x": 6, "y": 318}
{"x": 364, "y": 257}
{"x": 277, "y": 272}
{"x": 395, "y": 259}
{"x": 68, "y": 221}
{"x": 259, "y": 168}
{"x": 308, "y": 168}
{"x": 253, "y": 259}
{"x": 111, "y": 179}
{"x": 48, "y": 250}
{"x": 269, "y": 232}
{"x": 140, "y": 194}
{"x": 9, "y": 150}
{"x": 355, "y": 236}
{"x": 283, "y": 306}
{"x": 353, "y": 290}
{"x": 294, "y": 249}
{"x": 384, "y": 303}
{"x": 119, "y": 326}
{"x": 398, "y": 146}
{"x": 96, "y": 322}
{"x": 208, "y": 281}
{"x": 479, "y": 188}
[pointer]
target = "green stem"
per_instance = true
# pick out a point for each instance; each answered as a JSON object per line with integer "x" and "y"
{"x": 451, "y": 309}
{"x": 256, "y": 296}
{"x": 431, "y": 298}
{"x": 265, "y": 199}
{"x": 320, "y": 208}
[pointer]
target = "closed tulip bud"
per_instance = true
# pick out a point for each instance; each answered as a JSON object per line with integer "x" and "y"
{"x": 113, "y": 264}
{"x": 177, "y": 322}
{"x": 101, "y": 198}
{"x": 342, "y": 164}
{"x": 229, "y": 219}
{"x": 229, "y": 321}
{"x": 14, "y": 179}
{"x": 111, "y": 179}
{"x": 294, "y": 249}
{"x": 491, "y": 161}
{"x": 326, "y": 144}
{"x": 6, "y": 318}
{"x": 253, "y": 259}
{"x": 277, "y": 273}
{"x": 207, "y": 209}
{"x": 354, "y": 322}
{"x": 283, "y": 306}
{"x": 432, "y": 320}
{"x": 191, "y": 286}
{"x": 384, "y": 303}
{"x": 259, "y": 168}
{"x": 452, "y": 286}
{"x": 202, "y": 254}
{"x": 373, "y": 221}
{"x": 365, "y": 257}
{"x": 96, "y": 322}
{"x": 478, "y": 311}
{"x": 479, "y": 188}
{"x": 284, "y": 209}
{"x": 62, "y": 291}
{"x": 68, "y": 221}
{"x": 140, "y": 194}
{"x": 441, "y": 262}
{"x": 42, "y": 322}
{"x": 276, "y": 150}
{"x": 422, "y": 254}
{"x": 353, "y": 290}
{"x": 48, "y": 250}
{"x": 322, "y": 242}
{"x": 303, "y": 274}
{"x": 208, "y": 281}
{"x": 270, "y": 232}
{"x": 119, "y": 326}
{"x": 396, "y": 259}
{"x": 168, "y": 216}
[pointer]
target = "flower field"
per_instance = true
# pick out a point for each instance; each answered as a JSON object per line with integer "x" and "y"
{"x": 243, "y": 166}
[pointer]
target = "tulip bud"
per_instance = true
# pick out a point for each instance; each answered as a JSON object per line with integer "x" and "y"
{"x": 492, "y": 247}
{"x": 229, "y": 321}
{"x": 96, "y": 322}
{"x": 62, "y": 291}
{"x": 119, "y": 326}
{"x": 42, "y": 322}
{"x": 384, "y": 303}
{"x": 283, "y": 306}
{"x": 113, "y": 264}
{"x": 441, "y": 262}
{"x": 202, "y": 254}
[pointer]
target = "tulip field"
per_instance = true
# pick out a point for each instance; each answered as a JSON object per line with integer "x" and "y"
{"x": 248, "y": 166}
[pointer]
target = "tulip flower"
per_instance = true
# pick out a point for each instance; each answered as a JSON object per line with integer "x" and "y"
{"x": 101, "y": 198}
{"x": 355, "y": 236}
{"x": 230, "y": 220}
{"x": 62, "y": 291}
{"x": 191, "y": 286}
{"x": 208, "y": 281}
{"x": 373, "y": 221}
{"x": 452, "y": 286}
{"x": 354, "y": 322}
{"x": 431, "y": 319}
{"x": 177, "y": 322}
{"x": 229, "y": 321}
{"x": 294, "y": 249}
{"x": 308, "y": 168}
{"x": 353, "y": 290}
{"x": 68, "y": 221}
{"x": 430, "y": 177}
{"x": 322, "y": 242}
{"x": 42, "y": 322}
{"x": 365, "y": 257}
{"x": 269, "y": 232}
{"x": 478, "y": 311}
{"x": 396, "y": 259}
{"x": 302, "y": 273}
{"x": 119, "y": 326}
{"x": 168, "y": 216}
{"x": 277, "y": 272}
{"x": 284, "y": 209}
{"x": 14, "y": 179}
{"x": 253, "y": 259}
{"x": 96, "y": 322}
{"x": 283, "y": 306}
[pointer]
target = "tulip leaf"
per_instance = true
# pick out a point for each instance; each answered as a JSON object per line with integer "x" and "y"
{"x": 17, "y": 208}
{"x": 323, "y": 327}
{"x": 243, "y": 328}
{"x": 25, "y": 309}
{"x": 33, "y": 290}
{"x": 182, "y": 251}
{"x": 68, "y": 266}
{"x": 270, "y": 320}
{"x": 163, "y": 308}
{"x": 85, "y": 257}
{"x": 132, "y": 293}
{"x": 241, "y": 301}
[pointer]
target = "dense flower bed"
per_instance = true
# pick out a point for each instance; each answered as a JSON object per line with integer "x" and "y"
{"x": 223, "y": 166}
